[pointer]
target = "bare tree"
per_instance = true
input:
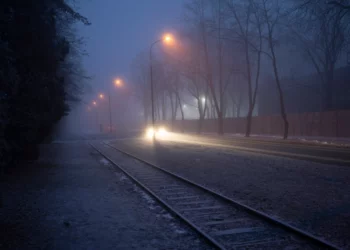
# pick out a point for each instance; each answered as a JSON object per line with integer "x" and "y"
{"x": 271, "y": 13}
{"x": 197, "y": 90}
{"x": 321, "y": 33}
{"x": 140, "y": 77}
{"x": 246, "y": 32}
{"x": 342, "y": 4}
{"x": 199, "y": 11}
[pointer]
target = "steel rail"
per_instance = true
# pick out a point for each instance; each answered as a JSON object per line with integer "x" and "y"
{"x": 266, "y": 217}
{"x": 163, "y": 202}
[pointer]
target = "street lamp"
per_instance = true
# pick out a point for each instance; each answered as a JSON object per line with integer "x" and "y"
{"x": 109, "y": 109}
{"x": 118, "y": 83}
{"x": 168, "y": 39}
{"x": 95, "y": 104}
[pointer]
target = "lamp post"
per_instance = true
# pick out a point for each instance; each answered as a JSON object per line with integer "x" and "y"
{"x": 118, "y": 83}
{"x": 95, "y": 104}
{"x": 110, "y": 113}
{"x": 109, "y": 110}
{"x": 168, "y": 39}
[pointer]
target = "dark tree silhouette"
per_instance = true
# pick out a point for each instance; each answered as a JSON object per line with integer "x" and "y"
{"x": 33, "y": 78}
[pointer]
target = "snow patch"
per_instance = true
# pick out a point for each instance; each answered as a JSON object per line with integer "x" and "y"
{"x": 167, "y": 216}
{"x": 121, "y": 177}
{"x": 104, "y": 161}
{"x": 147, "y": 198}
{"x": 176, "y": 229}
{"x": 180, "y": 231}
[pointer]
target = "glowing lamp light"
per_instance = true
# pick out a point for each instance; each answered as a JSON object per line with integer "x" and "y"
{"x": 118, "y": 82}
{"x": 101, "y": 96}
{"x": 168, "y": 38}
{"x": 161, "y": 132}
{"x": 150, "y": 132}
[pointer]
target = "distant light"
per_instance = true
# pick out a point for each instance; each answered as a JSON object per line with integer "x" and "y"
{"x": 150, "y": 132}
{"x": 168, "y": 38}
{"x": 94, "y": 103}
{"x": 184, "y": 106}
{"x": 118, "y": 82}
{"x": 203, "y": 99}
{"x": 102, "y": 96}
{"x": 162, "y": 132}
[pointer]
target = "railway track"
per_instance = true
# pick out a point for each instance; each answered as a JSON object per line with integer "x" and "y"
{"x": 223, "y": 222}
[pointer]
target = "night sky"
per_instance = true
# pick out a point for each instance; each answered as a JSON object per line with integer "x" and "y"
{"x": 120, "y": 30}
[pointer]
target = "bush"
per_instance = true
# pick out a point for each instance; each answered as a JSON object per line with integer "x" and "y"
{"x": 35, "y": 73}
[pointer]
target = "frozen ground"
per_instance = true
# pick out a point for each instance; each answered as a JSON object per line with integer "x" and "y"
{"x": 74, "y": 199}
{"x": 312, "y": 196}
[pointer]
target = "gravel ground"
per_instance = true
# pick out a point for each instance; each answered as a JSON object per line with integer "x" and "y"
{"x": 311, "y": 196}
{"x": 72, "y": 198}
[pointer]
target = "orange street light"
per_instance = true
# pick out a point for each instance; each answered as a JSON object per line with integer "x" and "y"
{"x": 109, "y": 108}
{"x": 118, "y": 82}
{"x": 168, "y": 38}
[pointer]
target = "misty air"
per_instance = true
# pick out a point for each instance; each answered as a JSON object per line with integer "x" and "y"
{"x": 175, "y": 124}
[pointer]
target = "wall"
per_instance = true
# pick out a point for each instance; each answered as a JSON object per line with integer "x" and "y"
{"x": 328, "y": 124}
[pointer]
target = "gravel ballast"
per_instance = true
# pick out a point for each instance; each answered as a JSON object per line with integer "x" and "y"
{"x": 312, "y": 196}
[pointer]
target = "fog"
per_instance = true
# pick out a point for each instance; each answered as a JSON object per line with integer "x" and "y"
{"x": 222, "y": 59}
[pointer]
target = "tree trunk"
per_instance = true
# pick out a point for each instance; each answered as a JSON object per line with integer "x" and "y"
{"x": 329, "y": 92}
{"x": 175, "y": 111}
{"x": 163, "y": 108}
{"x": 233, "y": 110}
{"x": 200, "y": 124}
{"x": 249, "y": 123}
{"x": 280, "y": 92}
{"x": 239, "y": 105}
{"x": 220, "y": 123}
{"x": 283, "y": 110}
{"x": 182, "y": 113}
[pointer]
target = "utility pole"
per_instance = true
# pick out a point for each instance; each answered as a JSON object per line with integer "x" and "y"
{"x": 97, "y": 126}
{"x": 151, "y": 76}
{"x": 110, "y": 113}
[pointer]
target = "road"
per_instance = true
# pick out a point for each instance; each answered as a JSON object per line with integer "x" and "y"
{"x": 311, "y": 195}
{"x": 331, "y": 154}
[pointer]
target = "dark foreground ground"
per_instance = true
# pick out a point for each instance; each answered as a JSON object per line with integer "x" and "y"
{"x": 73, "y": 199}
